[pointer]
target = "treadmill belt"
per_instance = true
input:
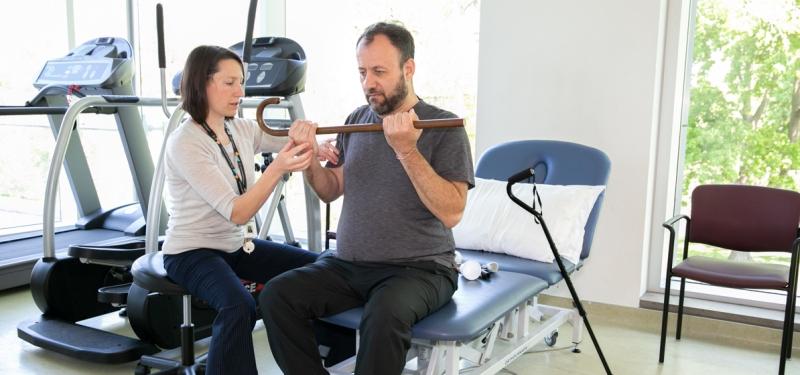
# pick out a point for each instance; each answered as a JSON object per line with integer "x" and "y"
{"x": 26, "y": 247}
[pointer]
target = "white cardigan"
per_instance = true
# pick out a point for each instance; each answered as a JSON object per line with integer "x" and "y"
{"x": 200, "y": 187}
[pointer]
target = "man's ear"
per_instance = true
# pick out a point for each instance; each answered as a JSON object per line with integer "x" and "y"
{"x": 409, "y": 67}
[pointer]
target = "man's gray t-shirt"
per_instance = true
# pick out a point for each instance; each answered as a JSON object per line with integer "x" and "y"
{"x": 383, "y": 218}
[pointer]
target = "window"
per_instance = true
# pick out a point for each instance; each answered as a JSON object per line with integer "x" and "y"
{"x": 99, "y": 18}
{"x": 99, "y": 133}
{"x": 188, "y": 24}
{"x": 444, "y": 32}
{"x": 743, "y": 112}
{"x": 27, "y": 159}
{"x": 28, "y": 140}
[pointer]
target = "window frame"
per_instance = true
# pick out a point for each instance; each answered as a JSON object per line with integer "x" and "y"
{"x": 670, "y": 155}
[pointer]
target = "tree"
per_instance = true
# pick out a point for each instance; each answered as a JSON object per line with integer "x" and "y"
{"x": 744, "y": 116}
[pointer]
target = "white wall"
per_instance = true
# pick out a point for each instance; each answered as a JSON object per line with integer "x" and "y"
{"x": 586, "y": 72}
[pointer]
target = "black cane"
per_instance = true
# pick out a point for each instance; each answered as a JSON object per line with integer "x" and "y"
{"x": 528, "y": 173}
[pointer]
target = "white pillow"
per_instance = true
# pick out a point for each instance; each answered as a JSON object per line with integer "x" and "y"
{"x": 492, "y": 222}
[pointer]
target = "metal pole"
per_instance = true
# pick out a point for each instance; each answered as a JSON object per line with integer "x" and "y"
{"x": 59, "y": 152}
{"x": 156, "y": 197}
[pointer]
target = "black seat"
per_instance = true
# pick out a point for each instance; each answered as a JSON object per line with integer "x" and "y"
{"x": 122, "y": 253}
{"x": 149, "y": 273}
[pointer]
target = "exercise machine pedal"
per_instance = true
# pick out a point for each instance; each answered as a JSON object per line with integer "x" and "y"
{"x": 82, "y": 342}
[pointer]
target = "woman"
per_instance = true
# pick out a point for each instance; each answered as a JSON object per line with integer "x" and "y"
{"x": 213, "y": 197}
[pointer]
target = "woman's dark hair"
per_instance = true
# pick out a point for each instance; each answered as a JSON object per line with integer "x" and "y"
{"x": 201, "y": 64}
{"x": 398, "y": 35}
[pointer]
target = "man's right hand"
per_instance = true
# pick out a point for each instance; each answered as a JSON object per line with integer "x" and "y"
{"x": 328, "y": 152}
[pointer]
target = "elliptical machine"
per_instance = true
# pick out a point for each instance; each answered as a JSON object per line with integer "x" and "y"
{"x": 94, "y": 276}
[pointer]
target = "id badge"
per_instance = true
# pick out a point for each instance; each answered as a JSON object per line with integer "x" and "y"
{"x": 249, "y": 231}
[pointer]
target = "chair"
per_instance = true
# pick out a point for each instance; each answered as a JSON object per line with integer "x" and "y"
{"x": 149, "y": 274}
{"x": 741, "y": 218}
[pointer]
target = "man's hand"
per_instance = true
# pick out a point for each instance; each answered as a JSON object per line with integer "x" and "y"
{"x": 304, "y": 131}
{"x": 328, "y": 152}
{"x": 400, "y": 132}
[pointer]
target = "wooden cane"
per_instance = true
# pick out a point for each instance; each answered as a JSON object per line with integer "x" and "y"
{"x": 353, "y": 128}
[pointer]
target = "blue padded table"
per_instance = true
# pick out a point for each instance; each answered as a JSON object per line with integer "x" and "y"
{"x": 475, "y": 306}
{"x": 555, "y": 163}
{"x": 546, "y": 271}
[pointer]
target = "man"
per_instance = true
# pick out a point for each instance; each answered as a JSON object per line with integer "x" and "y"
{"x": 403, "y": 191}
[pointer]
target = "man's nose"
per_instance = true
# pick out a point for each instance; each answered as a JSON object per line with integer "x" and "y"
{"x": 369, "y": 81}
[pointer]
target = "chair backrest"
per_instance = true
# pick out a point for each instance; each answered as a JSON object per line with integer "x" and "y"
{"x": 555, "y": 163}
{"x": 744, "y": 218}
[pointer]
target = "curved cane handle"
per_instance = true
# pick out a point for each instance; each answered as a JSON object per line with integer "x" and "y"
{"x": 260, "y": 118}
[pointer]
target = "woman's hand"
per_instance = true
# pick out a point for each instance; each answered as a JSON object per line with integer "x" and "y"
{"x": 293, "y": 157}
{"x": 327, "y": 152}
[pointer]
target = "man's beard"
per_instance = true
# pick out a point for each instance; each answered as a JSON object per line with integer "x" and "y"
{"x": 392, "y": 101}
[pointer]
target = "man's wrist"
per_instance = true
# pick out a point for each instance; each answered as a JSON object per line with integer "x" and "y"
{"x": 407, "y": 154}
{"x": 309, "y": 172}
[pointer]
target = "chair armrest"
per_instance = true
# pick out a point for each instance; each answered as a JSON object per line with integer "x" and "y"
{"x": 670, "y": 224}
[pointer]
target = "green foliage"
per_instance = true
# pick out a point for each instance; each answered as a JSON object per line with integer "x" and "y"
{"x": 746, "y": 67}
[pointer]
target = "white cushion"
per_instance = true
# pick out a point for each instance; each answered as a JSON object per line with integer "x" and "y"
{"x": 492, "y": 222}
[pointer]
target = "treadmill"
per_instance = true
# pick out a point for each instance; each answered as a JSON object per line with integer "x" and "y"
{"x": 56, "y": 82}
{"x": 103, "y": 66}
{"x": 93, "y": 277}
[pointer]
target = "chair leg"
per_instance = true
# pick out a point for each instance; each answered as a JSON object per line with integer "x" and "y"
{"x": 188, "y": 365}
{"x": 790, "y": 339}
{"x": 788, "y": 326}
{"x": 680, "y": 309}
{"x": 664, "y": 315}
{"x": 792, "y": 305}
{"x": 187, "y": 333}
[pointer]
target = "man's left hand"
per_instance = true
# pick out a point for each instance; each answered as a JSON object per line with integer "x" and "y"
{"x": 400, "y": 132}
{"x": 304, "y": 131}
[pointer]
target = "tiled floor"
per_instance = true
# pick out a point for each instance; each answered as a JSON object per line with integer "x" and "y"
{"x": 628, "y": 337}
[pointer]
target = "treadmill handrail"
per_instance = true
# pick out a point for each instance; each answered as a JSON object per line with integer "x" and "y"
{"x": 156, "y": 191}
{"x": 59, "y": 153}
{"x": 56, "y": 161}
{"x": 53, "y": 89}
{"x": 29, "y": 111}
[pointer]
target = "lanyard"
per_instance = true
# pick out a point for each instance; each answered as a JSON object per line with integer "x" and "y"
{"x": 241, "y": 181}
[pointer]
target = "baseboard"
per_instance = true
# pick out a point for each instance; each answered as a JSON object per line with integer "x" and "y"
{"x": 698, "y": 323}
